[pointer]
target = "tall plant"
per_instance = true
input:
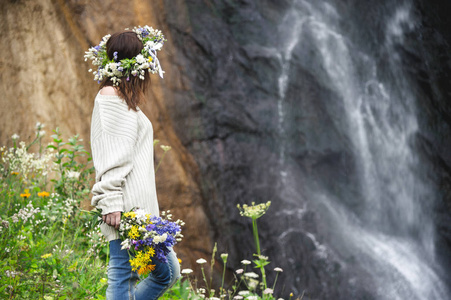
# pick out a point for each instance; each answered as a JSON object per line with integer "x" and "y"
{"x": 254, "y": 212}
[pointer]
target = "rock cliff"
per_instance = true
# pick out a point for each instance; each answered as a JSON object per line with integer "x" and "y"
{"x": 44, "y": 79}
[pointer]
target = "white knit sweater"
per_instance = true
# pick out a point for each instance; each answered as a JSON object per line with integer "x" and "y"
{"x": 122, "y": 152}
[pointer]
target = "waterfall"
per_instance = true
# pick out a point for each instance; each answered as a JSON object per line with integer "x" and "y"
{"x": 391, "y": 233}
{"x": 284, "y": 57}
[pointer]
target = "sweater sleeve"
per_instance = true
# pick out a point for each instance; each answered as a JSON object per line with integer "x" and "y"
{"x": 113, "y": 136}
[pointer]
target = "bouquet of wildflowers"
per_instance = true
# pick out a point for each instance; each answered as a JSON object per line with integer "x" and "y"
{"x": 148, "y": 238}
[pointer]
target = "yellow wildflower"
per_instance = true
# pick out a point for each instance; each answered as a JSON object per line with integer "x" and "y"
{"x": 14, "y": 173}
{"x": 150, "y": 59}
{"x": 46, "y": 255}
{"x": 148, "y": 216}
{"x": 142, "y": 262}
{"x": 134, "y": 232}
{"x": 180, "y": 261}
{"x": 26, "y": 194}
{"x": 145, "y": 270}
{"x": 43, "y": 194}
{"x": 130, "y": 214}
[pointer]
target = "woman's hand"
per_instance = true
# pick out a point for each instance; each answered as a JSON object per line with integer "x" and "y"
{"x": 113, "y": 219}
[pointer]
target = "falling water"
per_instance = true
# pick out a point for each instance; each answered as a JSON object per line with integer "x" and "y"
{"x": 392, "y": 234}
{"x": 284, "y": 56}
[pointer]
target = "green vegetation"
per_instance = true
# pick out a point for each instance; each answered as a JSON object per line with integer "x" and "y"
{"x": 48, "y": 249}
{"x": 51, "y": 248}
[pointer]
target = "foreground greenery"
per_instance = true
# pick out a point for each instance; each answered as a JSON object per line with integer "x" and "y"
{"x": 48, "y": 249}
{"x": 51, "y": 250}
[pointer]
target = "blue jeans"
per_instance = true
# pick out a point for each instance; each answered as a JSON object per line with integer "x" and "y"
{"x": 122, "y": 280}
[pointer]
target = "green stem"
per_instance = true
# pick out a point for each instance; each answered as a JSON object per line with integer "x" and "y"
{"x": 159, "y": 163}
{"x": 275, "y": 280}
{"x": 222, "y": 283}
{"x": 40, "y": 147}
{"x": 32, "y": 143}
{"x": 257, "y": 245}
{"x": 62, "y": 236}
{"x": 255, "y": 232}
{"x": 205, "y": 280}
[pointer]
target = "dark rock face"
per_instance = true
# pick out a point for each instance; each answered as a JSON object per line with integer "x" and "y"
{"x": 258, "y": 138}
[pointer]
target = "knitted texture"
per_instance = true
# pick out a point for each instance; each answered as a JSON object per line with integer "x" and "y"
{"x": 122, "y": 152}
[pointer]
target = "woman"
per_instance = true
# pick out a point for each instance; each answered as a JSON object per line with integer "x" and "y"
{"x": 122, "y": 150}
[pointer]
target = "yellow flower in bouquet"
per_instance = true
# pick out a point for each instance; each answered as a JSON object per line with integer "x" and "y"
{"x": 148, "y": 237}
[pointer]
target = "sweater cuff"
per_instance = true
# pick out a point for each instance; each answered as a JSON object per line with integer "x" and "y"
{"x": 111, "y": 203}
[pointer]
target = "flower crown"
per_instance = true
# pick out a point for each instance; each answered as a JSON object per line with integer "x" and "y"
{"x": 152, "y": 40}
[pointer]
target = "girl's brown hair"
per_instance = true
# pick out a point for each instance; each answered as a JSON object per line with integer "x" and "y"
{"x": 127, "y": 45}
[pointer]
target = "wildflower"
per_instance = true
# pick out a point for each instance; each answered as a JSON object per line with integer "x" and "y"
{"x": 130, "y": 214}
{"x": 15, "y": 136}
{"x": 14, "y": 173}
{"x": 145, "y": 270}
{"x": 291, "y": 294}
{"x": 26, "y": 194}
{"x": 142, "y": 261}
{"x": 268, "y": 291}
{"x": 224, "y": 257}
{"x": 254, "y": 211}
{"x": 160, "y": 238}
{"x": 46, "y": 255}
{"x": 251, "y": 275}
{"x": 238, "y": 297}
{"x": 141, "y": 214}
{"x": 245, "y": 262}
{"x": 252, "y": 298}
{"x": 252, "y": 283}
{"x": 165, "y": 148}
{"x": 239, "y": 271}
{"x": 133, "y": 233}
{"x": 73, "y": 174}
{"x": 9, "y": 273}
{"x": 5, "y": 224}
{"x": 277, "y": 269}
{"x": 243, "y": 293}
{"x": 187, "y": 271}
{"x": 201, "y": 261}
{"x": 43, "y": 194}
